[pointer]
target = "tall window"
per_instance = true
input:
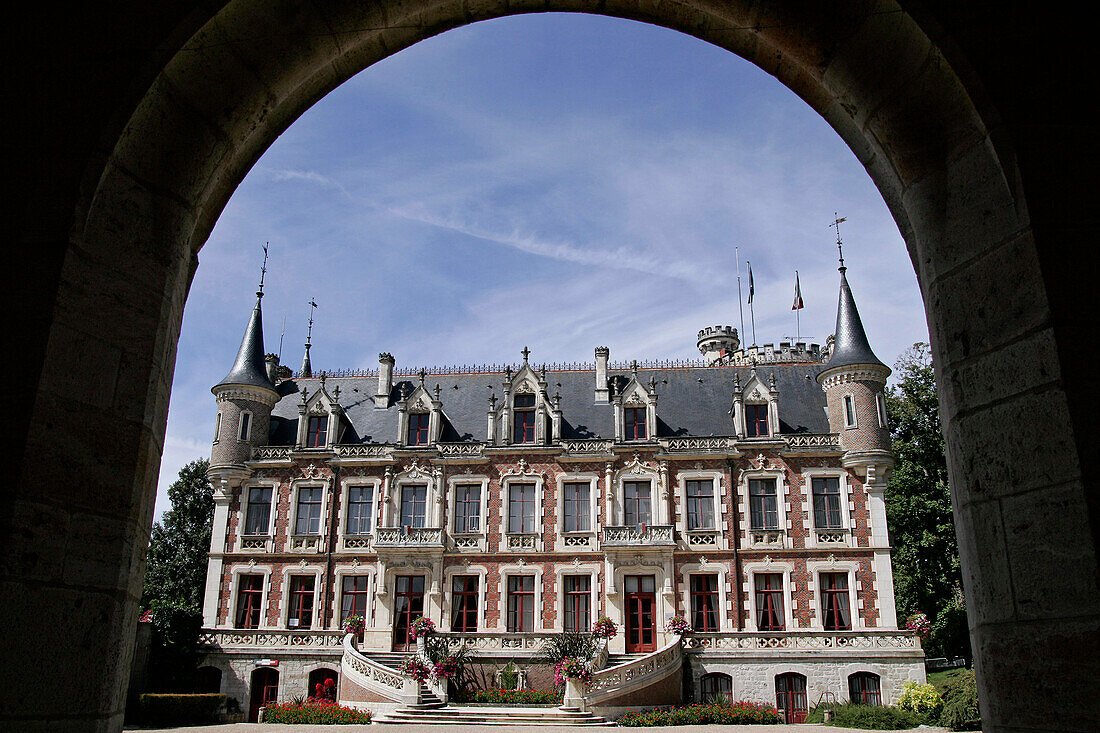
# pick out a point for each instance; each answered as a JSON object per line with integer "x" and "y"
{"x": 521, "y": 603}
{"x": 700, "y": 504}
{"x": 863, "y": 689}
{"x": 826, "y": 491}
{"x": 309, "y": 510}
{"x": 883, "y": 421}
{"x": 317, "y": 432}
{"x": 756, "y": 421}
{"x": 258, "y": 519}
{"x": 849, "y": 412}
{"x": 245, "y": 426}
{"x": 521, "y": 508}
{"x": 636, "y": 503}
{"x": 360, "y": 509}
{"x": 763, "y": 507}
{"x": 353, "y": 599}
{"x": 218, "y": 427}
{"x": 634, "y": 423}
{"x": 414, "y": 499}
{"x": 467, "y": 508}
{"x": 523, "y": 418}
{"x": 704, "y": 602}
{"x": 578, "y": 600}
{"x": 576, "y": 511}
{"x": 835, "y": 612}
{"x": 464, "y": 602}
{"x": 300, "y": 614}
{"x": 769, "y": 602}
{"x": 418, "y": 428}
{"x": 250, "y": 593}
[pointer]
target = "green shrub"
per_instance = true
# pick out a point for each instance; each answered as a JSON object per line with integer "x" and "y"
{"x": 323, "y": 713}
{"x": 867, "y": 717}
{"x": 922, "y": 700}
{"x": 567, "y": 645}
{"x": 960, "y": 702}
{"x": 180, "y": 709}
{"x": 509, "y": 677}
{"x": 498, "y": 696}
{"x": 722, "y": 712}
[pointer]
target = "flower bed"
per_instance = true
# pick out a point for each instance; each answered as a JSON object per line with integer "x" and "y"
{"x": 329, "y": 714}
{"x": 716, "y": 713}
{"x": 497, "y": 696}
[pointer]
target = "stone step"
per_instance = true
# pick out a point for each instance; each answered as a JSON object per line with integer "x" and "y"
{"x": 493, "y": 716}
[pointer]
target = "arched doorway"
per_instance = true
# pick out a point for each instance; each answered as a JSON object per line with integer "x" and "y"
{"x": 956, "y": 134}
{"x": 790, "y": 696}
{"x": 209, "y": 679}
{"x": 322, "y": 684}
{"x": 263, "y": 691}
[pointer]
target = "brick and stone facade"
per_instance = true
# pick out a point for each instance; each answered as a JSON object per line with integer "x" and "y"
{"x": 744, "y": 492}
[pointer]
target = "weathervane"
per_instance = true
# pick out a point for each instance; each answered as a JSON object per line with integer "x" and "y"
{"x": 839, "y": 246}
{"x": 309, "y": 333}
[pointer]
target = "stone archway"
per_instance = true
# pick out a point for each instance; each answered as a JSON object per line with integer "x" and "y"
{"x": 964, "y": 168}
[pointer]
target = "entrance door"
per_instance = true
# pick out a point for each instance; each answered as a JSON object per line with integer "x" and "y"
{"x": 265, "y": 691}
{"x": 408, "y": 605}
{"x": 641, "y": 604}
{"x": 790, "y": 696}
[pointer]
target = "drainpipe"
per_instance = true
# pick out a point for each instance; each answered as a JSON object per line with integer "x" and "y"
{"x": 329, "y": 580}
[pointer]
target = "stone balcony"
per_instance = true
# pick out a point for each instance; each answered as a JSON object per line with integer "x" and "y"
{"x": 862, "y": 642}
{"x": 253, "y": 639}
{"x": 409, "y": 538}
{"x": 640, "y": 536}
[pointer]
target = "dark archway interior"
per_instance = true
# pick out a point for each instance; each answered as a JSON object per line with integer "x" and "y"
{"x": 132, "y": 126}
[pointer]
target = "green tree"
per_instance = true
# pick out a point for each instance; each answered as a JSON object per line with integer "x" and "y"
{"x": 175, "y": 578}
{"x": 927, "y": 575}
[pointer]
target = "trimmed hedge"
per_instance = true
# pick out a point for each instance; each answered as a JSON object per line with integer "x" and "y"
{"x": 323, "y": 713}
{"x": 181, "y": 709}
{"x": 867, "y": 717}
{"x": 960, "y": 702}
{"x": 742, "y": 712}
{"x": 498, "y": 696}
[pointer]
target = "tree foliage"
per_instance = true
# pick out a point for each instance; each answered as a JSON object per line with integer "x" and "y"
{"x": 927, "y": 576}
{"x": 175, "y": 578}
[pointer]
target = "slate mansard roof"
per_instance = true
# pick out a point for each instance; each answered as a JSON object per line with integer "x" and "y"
{"x": 691, "y": 401}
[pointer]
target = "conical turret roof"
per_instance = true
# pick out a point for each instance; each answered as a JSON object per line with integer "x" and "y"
{"x": 850, "y": 346}
{"x": 250, "y": 369}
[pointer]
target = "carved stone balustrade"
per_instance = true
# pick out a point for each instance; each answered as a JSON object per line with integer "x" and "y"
{"x": 244, "y": 639}
{"x": 409, "y": 538}
{"x": 306, "y": 543}
{"x": 650, "y": 535}
{"x": 700, "y": 446}
{"x": 840, "y": 537}
{"x": 356, "y": 542}
{"x": 256, "y": 543}
{"x": 497, "y": 644}
{"x": 812, "y": 443}
{"x": 797, "y": 643}
{"x": 772, "y": 539}
{"x": 522, "y": 542}
{"x": 271, "y": 453}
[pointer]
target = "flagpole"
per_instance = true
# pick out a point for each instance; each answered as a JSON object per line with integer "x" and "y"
{"x": 797, "y": 314}
{"x": 740, "y": 308}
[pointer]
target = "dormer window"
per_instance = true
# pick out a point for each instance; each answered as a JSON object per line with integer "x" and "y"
{"x": 317, "y": 432}
{"x": 524, "y": 419}
{"x": 418, "y": 428}
{"x": 756, "y": 421}
{"x": 634, "y": 423}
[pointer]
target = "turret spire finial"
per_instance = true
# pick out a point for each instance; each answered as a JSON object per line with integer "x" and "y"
{"x": 837, "y": 219}
{"x": 263, "y": 272}
{"x": 307, "y": 368}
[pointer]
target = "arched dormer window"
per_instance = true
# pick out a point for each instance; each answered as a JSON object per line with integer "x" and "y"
{"x": 319, "y": 424}
{"x": 756, "y": 408}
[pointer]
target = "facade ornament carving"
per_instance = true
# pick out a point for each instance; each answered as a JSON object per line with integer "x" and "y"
{"x": 302, "y": 563}
{"x": 251, "y": 562}
{"x": 761, "y": 461}
{"x": 521, "y": 562}
{"x": 355, "y": 562}
{"x": 832, "y": 557}
{"x": 311, "y": 470}
{"x": 576, "y": 561}
{"x": 767, "y": 559}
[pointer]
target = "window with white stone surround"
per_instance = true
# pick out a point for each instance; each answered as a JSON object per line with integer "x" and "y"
{"x": 832, "y": 580}
{"x": 248, "y": 597}
{"x": 577, "y": 495}
{"x": 360, "y": 505}
{"x": 255, "y": 527}
{"x": 760, "y": 593}
{"x": 301, "y": 585}
{"x": 245, "y": 426}
{"x": 765, "y": 502}
{"x": 468, "y": 501}
{"x": 701, "y": 507}
{"x": 521, "y": 508}
{"x": 829, "y": 507}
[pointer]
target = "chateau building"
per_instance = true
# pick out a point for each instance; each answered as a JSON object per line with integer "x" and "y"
{"x": 744, "y": 492}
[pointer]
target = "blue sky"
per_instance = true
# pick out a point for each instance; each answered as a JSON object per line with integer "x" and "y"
{"x": 558, "y": 181}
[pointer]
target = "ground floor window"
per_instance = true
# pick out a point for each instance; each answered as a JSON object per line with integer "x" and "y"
{"x": 863, "y": 688}
{"x": 790, "y": 696}
{"x": 300, "y": 614}
{"x": 250, "y": 591}
{"x": 716, "y": 686}
{"x": 464, "y": 602}
{"x": 353, "y": 602}
{"x": 322, "y": 684}
{"x": 578, "y": 600}
{"x": 704, "y": 602}
{"x": 521, "y": 603}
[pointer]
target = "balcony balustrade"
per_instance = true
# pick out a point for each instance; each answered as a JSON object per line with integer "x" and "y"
{"x": 888, "y": 642}
{"x": 643, "y": 535}
{"x": 409, "y": 537}
{"x": 767, "y": 538}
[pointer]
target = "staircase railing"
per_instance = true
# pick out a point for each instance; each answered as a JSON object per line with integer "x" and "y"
{"x": 376, "y": 678}
{"x": 634, "y": 674}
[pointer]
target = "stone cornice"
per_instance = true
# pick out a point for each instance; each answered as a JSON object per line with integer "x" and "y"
{"x": 242, "y": 392}
{"x": 853, "y": 373}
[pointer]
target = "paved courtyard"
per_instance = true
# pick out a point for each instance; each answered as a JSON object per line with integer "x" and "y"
{"x": 278, "y": 728}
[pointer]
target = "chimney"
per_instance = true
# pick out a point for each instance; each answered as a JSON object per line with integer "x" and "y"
{"x": 385, "y": 380}
{"x": 271, "y": 362}
{"x": 602, "y": 354}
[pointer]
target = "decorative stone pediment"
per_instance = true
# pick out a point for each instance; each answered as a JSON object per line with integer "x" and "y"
{"x": 521, "y": 469}
{"x": 414, "y": 471}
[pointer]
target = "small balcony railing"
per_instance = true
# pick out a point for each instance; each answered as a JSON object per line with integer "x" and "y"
{"x": 768, "y": 538}
{"x": 642, "y": 535}
{"x": 430, "y": 537}
{"x": 836, "y": 537}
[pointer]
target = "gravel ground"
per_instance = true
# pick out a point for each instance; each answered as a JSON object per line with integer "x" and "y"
{"x": 278, "y": 728}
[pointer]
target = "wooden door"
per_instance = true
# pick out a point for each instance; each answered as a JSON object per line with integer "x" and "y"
{"x": 790, "y": 696}
{"x": 265, "y": 691}
{"x": 408, "y": 605}
{"x": 641, "y": 608}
